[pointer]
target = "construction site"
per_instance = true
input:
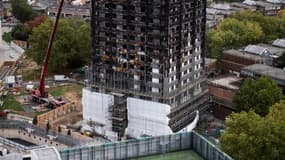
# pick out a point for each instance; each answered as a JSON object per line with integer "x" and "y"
{"x": 146, "y": 53}
{"x": 52, "y": 105}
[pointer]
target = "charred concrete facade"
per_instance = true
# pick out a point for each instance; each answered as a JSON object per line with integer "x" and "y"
{"x": 153, "y": 50}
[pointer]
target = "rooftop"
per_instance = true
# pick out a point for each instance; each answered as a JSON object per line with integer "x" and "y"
{"x": 184, "y": 145}
{"x": 272, "y": 49}
{"x": 249, "y": 2}
{"x": 49, "y": 153}
{"x": 8, "y": 53}
{"x": 53, "y": 4}
{"x": 241, "y": 54}
{"x": 261, "y": 69}
{"x": 210, "y": 61}
{"x": 268, "y": 5}
{"x": 279, "y": 43}
{"x": 256, "y": 49}
{"x": 227, "y": 82}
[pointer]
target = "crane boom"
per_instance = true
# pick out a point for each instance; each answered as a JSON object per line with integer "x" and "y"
{"x": 41, "y": 89}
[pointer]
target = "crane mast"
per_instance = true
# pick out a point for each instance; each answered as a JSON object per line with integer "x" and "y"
{"x": 41, "y": 90}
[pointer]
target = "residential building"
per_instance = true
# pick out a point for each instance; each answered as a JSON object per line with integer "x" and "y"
{"x": 151, "y": 50}
{"x": 222, "y": 91}
{"x": 234, "y": 60}
{"x": 279, "y": 43}
{"x": 258, "y": 70}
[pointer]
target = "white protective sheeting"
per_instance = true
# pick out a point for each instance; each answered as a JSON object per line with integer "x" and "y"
{"x": 96, "y": 105}
{"x": 147, "y": 118}
{"x": 96, "y": 115}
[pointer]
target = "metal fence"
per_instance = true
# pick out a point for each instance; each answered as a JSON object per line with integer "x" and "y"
{"x": 206, "y": 149}
{"x": 146, "y": 147}
{"x": 64, "y": 139}
{"x": 18, "y": 146}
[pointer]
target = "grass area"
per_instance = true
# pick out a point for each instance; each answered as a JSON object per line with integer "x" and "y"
{"x": 11, "y": 103}
{"x": 181, "y": 155}
{"x": 60, "y": 90}
{"x": 41, "y": 112}
{"x": 31, "y": 75}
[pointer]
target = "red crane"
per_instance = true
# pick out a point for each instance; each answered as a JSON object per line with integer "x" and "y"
{"x": 40, "y": 92}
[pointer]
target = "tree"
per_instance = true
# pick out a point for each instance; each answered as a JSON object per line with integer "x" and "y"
{"x": 232, "y": 33}
{"x": 250, "y": 136}
{"x": 243, "y": 28}
{"x": 276, "y": 119}
{"x": 244, "y": 136}
{"x": 72, "y": 44}
{"x": 35, "y": 22}
{"x": 22, "y": 10}
{"x": 257, "y": 95}
{"x": 281, "y": 13}
{"x": 272, "y": 26}
{"x": 7, "y": 36}
{"x": 20, "y": 32}
{"x": 35, "y": 120}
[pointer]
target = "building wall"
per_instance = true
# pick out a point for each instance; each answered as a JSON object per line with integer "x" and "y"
{"x": 236, "y": 63}
{"x": 30, "y": 137}
{"x": 221, "y": 100}
{"x": 57, "y": 114}
{"x": 75, "y": 12}
{"x": 222, "y": 93}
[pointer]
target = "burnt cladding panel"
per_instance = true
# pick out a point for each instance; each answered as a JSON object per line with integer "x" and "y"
{"x": 122, "y": 29}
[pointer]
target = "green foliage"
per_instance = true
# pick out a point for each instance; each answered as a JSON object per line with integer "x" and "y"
{"x": 31, "y": 75}
{"x": 60, "y": 90}
{"x": 276, "y": 118}
{"x": 11, "y": 103}
{"x": 250, "y": 136}
{"x": 272, "y": 26}
{"x": 20, "y": 32}
{"x": 71, "y": 48}
{"x": 232, "y": 33}
{"x": 281, "y": 13}
{"x": 243, "y": 28}
{"x": 257, "y": 95}
{"x": 22, "y": 11}
{"x": 7, "y": 37}
{"x": 245, "y": 136}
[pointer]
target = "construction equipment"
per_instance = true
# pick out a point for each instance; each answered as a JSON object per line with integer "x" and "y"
{"x": 40, "y": 95}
